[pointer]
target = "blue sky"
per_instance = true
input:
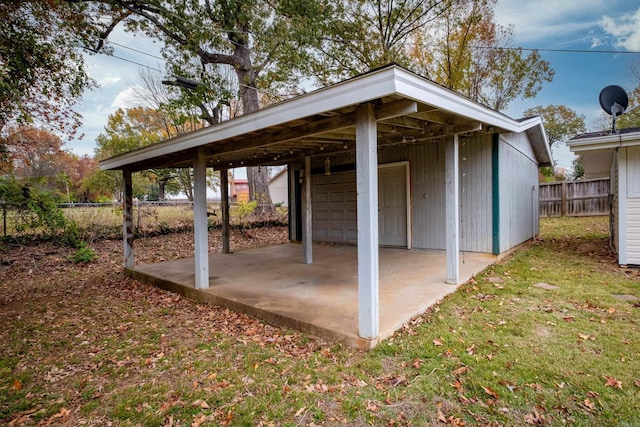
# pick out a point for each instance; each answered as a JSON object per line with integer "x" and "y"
{"x": 584, "y": 25}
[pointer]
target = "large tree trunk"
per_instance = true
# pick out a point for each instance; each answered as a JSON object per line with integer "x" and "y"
{"x": 258, "y": 177}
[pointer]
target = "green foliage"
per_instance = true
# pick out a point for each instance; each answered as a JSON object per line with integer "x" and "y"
{"x": 463, "y": 49}
{"x": 37, "y": 212}
{"x": 631, "y": 118}
{"x": 244, "y": 209}
{"x": 42, "y": 72}
{"x": 84, "y": 255}
{"x": 362, "y": 35}
{"x": 578, "y": 168}
{"x": 560, "y": 122}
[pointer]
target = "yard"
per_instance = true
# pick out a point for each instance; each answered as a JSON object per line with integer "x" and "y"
{"x": 84, "y": 345}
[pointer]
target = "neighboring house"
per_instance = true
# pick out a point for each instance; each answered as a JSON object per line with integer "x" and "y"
{"x": 239, "y": 190}
{"x": 387, "y": 158}
{"x": 617, "y": 156}
{"x": 279, "y": 188}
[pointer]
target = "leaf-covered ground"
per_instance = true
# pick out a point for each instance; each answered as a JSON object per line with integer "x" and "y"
{"x": 84, "y": 345}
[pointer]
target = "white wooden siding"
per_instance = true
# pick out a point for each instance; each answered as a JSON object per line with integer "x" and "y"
{"x": 333, "y": 209}
{"x": 633, "y": 231}
{"x": 476, "y": 194}
{"x": 633, "y": 205}
{"x": 427, "y": 191}
{"x": 518, "y": 192}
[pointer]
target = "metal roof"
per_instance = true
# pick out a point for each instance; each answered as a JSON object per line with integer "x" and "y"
{"x": 409, "y": 109}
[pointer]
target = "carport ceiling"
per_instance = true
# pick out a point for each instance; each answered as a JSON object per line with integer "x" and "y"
{"x": 410, "y": 110}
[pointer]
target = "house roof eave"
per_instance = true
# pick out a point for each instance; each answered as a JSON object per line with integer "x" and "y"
{"x": 602, "y": 142}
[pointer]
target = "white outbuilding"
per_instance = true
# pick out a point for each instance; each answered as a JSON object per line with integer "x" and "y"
{"x": 617, "y": 155}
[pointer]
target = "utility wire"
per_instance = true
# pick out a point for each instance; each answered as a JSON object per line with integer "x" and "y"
{"x": 135, "y": 50}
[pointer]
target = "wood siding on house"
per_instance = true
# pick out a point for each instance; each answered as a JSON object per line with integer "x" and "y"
{"x": 475, "y": 194}
{"x": 518, "y": 191}
{"x": 633, "y": 206}
{"x": 334, "y": 195}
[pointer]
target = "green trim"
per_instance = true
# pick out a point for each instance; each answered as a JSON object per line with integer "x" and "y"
{"x": 495, "y": 192}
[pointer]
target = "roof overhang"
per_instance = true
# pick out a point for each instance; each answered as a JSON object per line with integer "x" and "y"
{"x": 409, "y": 109}
{"x": 603, "y": 141}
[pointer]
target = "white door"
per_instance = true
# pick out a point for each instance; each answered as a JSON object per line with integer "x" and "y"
{"x": 392, "y": 205}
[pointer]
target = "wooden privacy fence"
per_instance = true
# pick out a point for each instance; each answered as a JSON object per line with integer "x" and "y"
{"x": 574, "y": 198}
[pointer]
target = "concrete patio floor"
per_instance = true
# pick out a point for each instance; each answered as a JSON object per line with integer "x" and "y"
{"x": 320, "y": 299}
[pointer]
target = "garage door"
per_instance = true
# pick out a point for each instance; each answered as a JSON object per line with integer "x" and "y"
{"x": 333, "y": 201}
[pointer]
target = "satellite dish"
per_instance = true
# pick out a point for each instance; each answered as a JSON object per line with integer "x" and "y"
{"x": 614, "y": 100}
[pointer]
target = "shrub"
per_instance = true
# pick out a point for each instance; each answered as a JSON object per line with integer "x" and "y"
{"x": 84, "y": 255}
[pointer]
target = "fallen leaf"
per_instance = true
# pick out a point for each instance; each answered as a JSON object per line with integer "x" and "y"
{"x": 587, "y": 337}
{"x": 17, "y": 385}
{"x": 612, "y": 382}
{"x": 534, "y": 418}
{"x": 198, "y": 421}
{"x": 471, "y": 349}
{"x": 300, "y": 411}
{"x": 437, "y": 342}
{"x": 637, "y": 382}
{"x": 588, "y": 404}
{"x": 490, "y": 392}
{"x": 460, "y": 371}
{"x": 200, "y": 403}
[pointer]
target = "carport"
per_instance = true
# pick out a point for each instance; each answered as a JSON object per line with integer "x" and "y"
{"x": 381, "y": 109}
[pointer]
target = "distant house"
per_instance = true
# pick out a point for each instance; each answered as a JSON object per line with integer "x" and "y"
{"x": 617, "y": 156}
{"x": 279, "y": 188}
{"x": 239, "y": 190}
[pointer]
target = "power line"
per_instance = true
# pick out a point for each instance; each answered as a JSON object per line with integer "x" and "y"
{"x": 135, "y": 50}
{"x": 123, "y": 59}
{"x": 530, "y": 49}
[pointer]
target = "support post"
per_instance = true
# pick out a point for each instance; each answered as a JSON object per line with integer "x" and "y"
{"x": 307, "y": 225}
{"x": 452, "y": 210}
{"x": 367, "y": 205}
{"x": 127, "y": 227}
{"x": 224, "y": 209}
{"x": 200, "y": 229}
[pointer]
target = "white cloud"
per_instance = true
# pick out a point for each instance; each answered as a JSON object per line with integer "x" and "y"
{"x": 127, "y": 98}
{"x": 625, "y": 29}
{"x": 109, "y": 80}
{"x": 612, "y": 23}
{"x": 538, "y": 20}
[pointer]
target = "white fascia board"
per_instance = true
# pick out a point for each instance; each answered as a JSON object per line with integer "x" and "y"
{"x": 606, "y": 142}
{"x": 419, "y": 89}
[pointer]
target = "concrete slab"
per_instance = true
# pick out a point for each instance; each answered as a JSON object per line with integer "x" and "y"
{"x": 627, "y": 297}
{"x": 546, "y": 286}
{"x": 320, "y": 298}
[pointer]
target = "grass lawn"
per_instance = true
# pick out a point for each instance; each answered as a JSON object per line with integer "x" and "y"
{"x": 83, "y": 345}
